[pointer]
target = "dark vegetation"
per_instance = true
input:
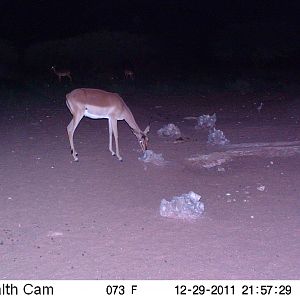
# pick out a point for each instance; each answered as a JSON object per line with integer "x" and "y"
{"x": 242, "y": 58}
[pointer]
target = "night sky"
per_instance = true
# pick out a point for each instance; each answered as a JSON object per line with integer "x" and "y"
{"x": 34, "y": 20}
{"x": 192, "y": 25}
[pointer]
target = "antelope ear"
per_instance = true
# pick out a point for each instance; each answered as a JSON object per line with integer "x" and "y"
{"x": 147, "y": 130}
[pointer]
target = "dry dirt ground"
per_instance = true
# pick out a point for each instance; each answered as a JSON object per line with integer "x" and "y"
{"x": 99, "y": 218}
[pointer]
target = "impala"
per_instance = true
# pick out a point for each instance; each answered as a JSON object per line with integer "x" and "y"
{"x": 128, "y": 74}
{"x": 62, "y": 73}
{"x": 98, "y": 104}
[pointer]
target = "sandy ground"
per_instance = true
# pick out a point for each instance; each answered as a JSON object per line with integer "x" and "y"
{"x": 99, "y": 218}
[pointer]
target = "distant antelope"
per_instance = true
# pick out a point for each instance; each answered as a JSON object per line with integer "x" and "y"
{"x": 128, "y": 74}
{"x": 62, "y": 73}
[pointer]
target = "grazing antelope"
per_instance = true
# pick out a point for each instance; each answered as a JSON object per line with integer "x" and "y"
{"x": 98, "y": 104}
{"x": 128, "y": 74}
{"x": 62, "y": 73}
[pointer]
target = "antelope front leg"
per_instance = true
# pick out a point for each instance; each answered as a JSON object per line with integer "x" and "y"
{"x": 114, "y": 127}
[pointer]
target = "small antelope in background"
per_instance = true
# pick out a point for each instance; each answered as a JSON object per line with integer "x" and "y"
{"x": 98, "y": 104}
{"x": 62, "y": 73}
{"x": 128, "y": 74}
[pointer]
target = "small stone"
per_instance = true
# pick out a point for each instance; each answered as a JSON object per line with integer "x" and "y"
{"x": 261, "y": 188}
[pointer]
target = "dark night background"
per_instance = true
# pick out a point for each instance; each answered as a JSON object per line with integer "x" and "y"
{"x": 173, "y": 38}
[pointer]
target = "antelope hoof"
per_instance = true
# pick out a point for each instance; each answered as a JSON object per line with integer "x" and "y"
{"x": 73, "y": 152}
